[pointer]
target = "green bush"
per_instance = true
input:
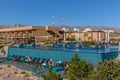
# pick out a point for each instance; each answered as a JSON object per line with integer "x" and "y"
{"x": 107, "y": 70}
{"x": 79, "y": 69}
{"x": 70, "y": 39}
{"x": 28, "y": 74}
{"x": 51, "y": 76}
{"x": 2, "y": 45}
{"x": 59, "y": 41}
{"x": 88, "y": 43}
{"x": 47, "y": 41}
{"x": 10, "y": 66}
{"x": 23, "y": 72}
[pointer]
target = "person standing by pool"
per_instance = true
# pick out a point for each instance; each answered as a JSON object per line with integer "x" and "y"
{"x": 104, "y": 45}
{"x": 50, "y": 62}
{"x": 3, "y": 52}
{"x": 64, "y": 63}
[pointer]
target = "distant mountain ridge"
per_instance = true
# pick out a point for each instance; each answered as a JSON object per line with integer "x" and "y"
{"x": 8, "y": 26}
{"x": 94, "y": 28}
{"x": 100, "y": 28}
{"x": 81, "y": 28}
{"x": 5, "y": 26}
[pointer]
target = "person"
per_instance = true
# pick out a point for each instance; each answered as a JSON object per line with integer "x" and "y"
{"x": 104, "y": 45}
{"x": 3, "y": 52}
{"x": 97, "y": 46}
{"x": 27, "y": 58}
{"x": 64, "y": 63}
{"x": 80, "y": 45}
{"x": 50, "y": 62}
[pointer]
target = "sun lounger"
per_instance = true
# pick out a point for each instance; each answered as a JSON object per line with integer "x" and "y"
{"x": 40, "y": 61}
{"x": 57, "y": 68}
{"x": 36, "y": 60}
{"x": 47, "y": 60}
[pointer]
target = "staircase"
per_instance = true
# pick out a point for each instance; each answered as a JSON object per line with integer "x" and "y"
{"x": 55, "y": 30}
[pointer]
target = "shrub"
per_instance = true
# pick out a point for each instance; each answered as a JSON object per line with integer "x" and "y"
{"x": 70, "y": 39}
{"x": 88, "y": 43}
{"x": 107, "y": 70}
{"x": 47, "y": 41}
{"x": 51, "y": 76}
{"x": 23, "y": 72}
{"x": 59, "y": 41}
{"x": 79, "y": 69}
{"x": 2, "y": 45}
{"x": 28, "y": 74}
{"x": 10, "y": 66}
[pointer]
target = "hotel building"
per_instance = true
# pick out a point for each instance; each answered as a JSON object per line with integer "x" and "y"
{"x": 41, "y": 33}
{"x": 37, "y": 33}
{"x": 87, "y": 36}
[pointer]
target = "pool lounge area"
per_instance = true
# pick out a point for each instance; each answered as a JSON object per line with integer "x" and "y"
{"x": 65, "y": 54}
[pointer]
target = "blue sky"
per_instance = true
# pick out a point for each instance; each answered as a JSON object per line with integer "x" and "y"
{"x": 75, "y": 12}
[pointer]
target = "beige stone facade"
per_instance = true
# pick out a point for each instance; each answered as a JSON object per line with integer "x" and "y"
{"x": 41, "y": 33}
{"x": 87, "y": 36}
{"x": 38, "y": 33}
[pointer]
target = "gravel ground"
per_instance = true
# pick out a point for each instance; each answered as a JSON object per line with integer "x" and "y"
{"x": 8, "y": 72}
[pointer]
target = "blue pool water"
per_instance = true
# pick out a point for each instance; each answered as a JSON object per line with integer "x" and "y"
{"x": 88, "y": 50}
{"x": 75, "y": 49}
{"x": 65, "y": 54}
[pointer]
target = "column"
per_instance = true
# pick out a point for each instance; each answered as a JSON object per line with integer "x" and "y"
{"x": 35, "y": 39}
{"x": 30, "y": 35}
{"x": 8, "y": 38}
{"x": 64, "y": 36}
{"x": 108, "y": 36}
{"x": 99, "y": 36}
{"x": 23, "y": 35}
{"x": 119, "y": 47}
{"x": 77, "y": 36}
{"x": 55, "y": 37}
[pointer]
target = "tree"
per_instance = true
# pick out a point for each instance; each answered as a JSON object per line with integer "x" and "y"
{"x": 70, "y": 39}
{"x": 88, "y": 43}
{"x": 51, "y": 76}
{"x": 108, "y": 70}
{"x": 79, "y": 69}
{"x": 47, "y": 41}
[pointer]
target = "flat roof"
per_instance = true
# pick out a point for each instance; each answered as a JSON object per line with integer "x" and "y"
{"x": 16, "y": 29}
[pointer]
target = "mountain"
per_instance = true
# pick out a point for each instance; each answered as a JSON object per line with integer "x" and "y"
{"x": 8, "y": 26}
{"x": 70, "y": 28}
{"x": 94, "y": 28}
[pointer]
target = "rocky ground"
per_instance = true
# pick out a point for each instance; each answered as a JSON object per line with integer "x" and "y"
{"x": 9, "y": 72}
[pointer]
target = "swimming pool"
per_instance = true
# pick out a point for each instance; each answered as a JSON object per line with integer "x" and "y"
{"x": 65, "y": 54}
